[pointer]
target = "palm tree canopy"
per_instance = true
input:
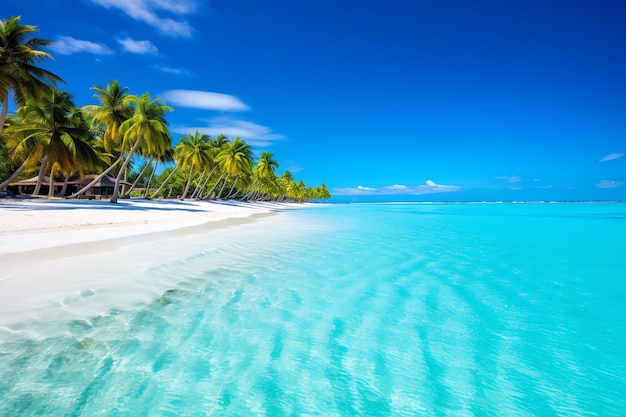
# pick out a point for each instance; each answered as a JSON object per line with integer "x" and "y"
{"x": 235, "y": 158}
{"x": 148, "y": 125}
{"x": 266, "y": 166}
{"x": 114, "y": 109}
{"x": 52, "y": 126}
{"x": 19, "y": 57}
{"x": 195, "y": 151}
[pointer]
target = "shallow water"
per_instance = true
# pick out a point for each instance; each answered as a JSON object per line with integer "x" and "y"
{"x": 382, "y": 309}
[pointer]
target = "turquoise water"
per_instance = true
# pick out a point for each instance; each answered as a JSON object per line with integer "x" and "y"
{"x": 394, "y": 309}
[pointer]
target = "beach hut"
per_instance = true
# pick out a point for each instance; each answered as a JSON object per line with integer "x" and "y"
{"x": 28, "y": 186}
{"x": 102, "y": 189}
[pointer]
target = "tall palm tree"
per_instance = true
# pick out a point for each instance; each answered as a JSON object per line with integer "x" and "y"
{"x": 194, "y": 153}
{"x": 19, "y": 72}
{"x": 147, "y": 128}
{"x": 114, "y": 109}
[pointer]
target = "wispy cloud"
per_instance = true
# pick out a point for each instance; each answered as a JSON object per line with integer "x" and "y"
{"x": 171, "y": 70}
{"x": 612, "y": 156}
{"x": 146, "y": 11}
{"x": 204, "y": 100}
{"x": 293, "y": 167}
{"x": 254, "y": 134}
{"x": 609, "y": 184}
{"x": 511, "y": 179}
{"x": 429, "y": 187}
{"x": 66, "y": 45}
{"x": 138, "y": 47}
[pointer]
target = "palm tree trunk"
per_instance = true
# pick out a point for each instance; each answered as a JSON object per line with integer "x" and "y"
{"x": 224, "y": 185}
{"x": 116, "y": 190}
{"x": 232, "y": 188}
{"x": 214, "y": 186}
{"x": 201, "y": 183}
{"x": 164, "y": 182}
{"x": 5, "y": 109}
{"x": 188, "y": 182}
{"x": 199, "y": 195}
{"x": 42, "y": 169}
{"x": 127, "y": 194}
{"x": 51, "y": 188}
{"x": 98, "y": 178}
{"x": 145, "y": 195}
{"x": 13, "y": 176}
{"x": 125, "y": 181}
{"x": 250, "y": 190}
{"x": 65, "y": 181}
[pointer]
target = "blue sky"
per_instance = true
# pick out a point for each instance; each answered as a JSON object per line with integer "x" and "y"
{"x": 381, "y": 100}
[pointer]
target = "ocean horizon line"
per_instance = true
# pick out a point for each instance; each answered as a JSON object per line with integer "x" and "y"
{"x": 484, "y": 202}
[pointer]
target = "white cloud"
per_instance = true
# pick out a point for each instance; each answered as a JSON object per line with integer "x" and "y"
{"x": 204, "y": 100}
{"x": 138, "y": 47}
{"x": 511, "y": 179}
{"x": 609, "y": 184}
{"x": 361, "y": 188}
{"x": 146, "y": 11}
{"x": 429, "y": 187}
{"x": 171, "y": 70}
{"x": 612, "y": 156}
{"x": 66, "y": 45}
{"x": 176, "y": 7}
{"x": 252, "y": 133}
{"x": 293, "y": 167}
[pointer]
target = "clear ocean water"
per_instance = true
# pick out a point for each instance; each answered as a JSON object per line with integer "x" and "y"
{"x": 350, "y": 310}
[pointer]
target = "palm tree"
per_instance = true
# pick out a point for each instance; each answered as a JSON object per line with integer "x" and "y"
{"x": 114, "y": 109}
{"x": 264, "y": 172}
{"x": 235, "y": 160}
{"x": 22, "y": 149}
{"x": 194, "y": 153}
{"x": 18, "y": 70}
{"x": 147, "y": 128}
{"x": 218, "y": 145}
{"x": 55, "y": 128}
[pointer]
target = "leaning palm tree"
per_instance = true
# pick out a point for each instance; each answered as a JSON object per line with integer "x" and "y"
{"x": 217, "y": 145}
{"x": 194, "y": 153}
{"x": 147, "y": 128}
{"x": 19, "y": 72}
{"x": 264, "y": 173}
{"x": 114, "y": 109}
{"x": 235, "y": 160}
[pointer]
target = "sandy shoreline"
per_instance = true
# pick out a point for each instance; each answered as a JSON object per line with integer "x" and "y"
{"x": 27, "y": 225}
{"x": 52, "y": 249}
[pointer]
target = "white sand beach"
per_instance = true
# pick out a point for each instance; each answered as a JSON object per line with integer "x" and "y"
{"x": 52, "y": 249}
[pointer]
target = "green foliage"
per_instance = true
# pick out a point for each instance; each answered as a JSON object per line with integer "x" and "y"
{"x": 5, "y": 161}
{"x": 142, "y": 174}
